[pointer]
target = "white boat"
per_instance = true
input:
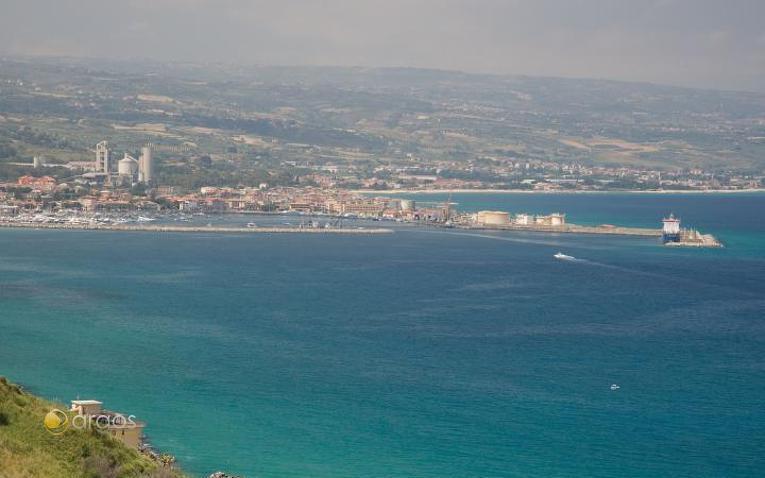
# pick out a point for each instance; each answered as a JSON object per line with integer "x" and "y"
{"x": 564, "y": 257}
{"x": 615, "y": 387}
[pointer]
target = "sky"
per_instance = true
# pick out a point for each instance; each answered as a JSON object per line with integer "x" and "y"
{"x": 701, "y": 43}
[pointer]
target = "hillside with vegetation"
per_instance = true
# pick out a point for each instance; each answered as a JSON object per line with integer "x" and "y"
{"x": 228, "y": 125}
{"x": 28, "y": 450}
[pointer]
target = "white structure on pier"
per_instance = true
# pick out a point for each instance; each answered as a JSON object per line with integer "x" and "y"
{"x": 557, "y": 219}
{"x": 671, "y": 230}
{"x": 492, "y": 218}
{"x": 521, "y": 219}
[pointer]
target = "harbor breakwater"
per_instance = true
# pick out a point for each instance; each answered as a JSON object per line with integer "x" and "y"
{"x": 215, "y": 229}
{"x": 687, "y": 240}
{"x": 708, "y": 239}
{"x": 567, "y": 228}
{"x": 571, "y": 229}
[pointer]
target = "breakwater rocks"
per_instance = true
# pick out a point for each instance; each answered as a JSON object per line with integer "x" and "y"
{"x": 214, "y": 229}
{"x": 705, "y": 240}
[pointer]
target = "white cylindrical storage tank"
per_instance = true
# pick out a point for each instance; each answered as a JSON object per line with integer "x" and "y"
{"x": 493, "y": 218}
{"x": 147, "y": 166}
{"x": 127, "y": 167}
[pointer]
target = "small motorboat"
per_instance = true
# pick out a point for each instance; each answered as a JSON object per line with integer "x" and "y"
{"x": 563, "y": 257}
{"x": 615, "y": 386}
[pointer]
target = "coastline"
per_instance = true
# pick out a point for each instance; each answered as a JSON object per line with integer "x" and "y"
{"x": 525, "y": 191}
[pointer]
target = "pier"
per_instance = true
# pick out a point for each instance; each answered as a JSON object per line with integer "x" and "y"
{"x": 570, "y": 229}
{"x": 215, "y": 229}
{"x": 690, "y": 240}
{"x": 685, "y": 238}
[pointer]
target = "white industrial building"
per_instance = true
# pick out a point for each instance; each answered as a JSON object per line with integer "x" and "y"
{"x": 128, "y": 168}
{"x": 103, "y": 156}
{"x": 145, "y": 165}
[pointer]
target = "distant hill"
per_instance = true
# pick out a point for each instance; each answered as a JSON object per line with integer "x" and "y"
{"x": 386, "y": 113}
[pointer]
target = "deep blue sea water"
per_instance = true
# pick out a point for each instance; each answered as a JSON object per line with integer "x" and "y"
{"x": 426, "y": 353}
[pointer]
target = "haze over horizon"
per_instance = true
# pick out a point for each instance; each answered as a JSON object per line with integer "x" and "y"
{"x": 706, "y": 43}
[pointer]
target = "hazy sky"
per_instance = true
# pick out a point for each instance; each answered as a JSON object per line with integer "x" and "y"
{"x": 707, "y": 43}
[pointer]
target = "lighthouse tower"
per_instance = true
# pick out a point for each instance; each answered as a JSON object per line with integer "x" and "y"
{"x": 671, "y": 230}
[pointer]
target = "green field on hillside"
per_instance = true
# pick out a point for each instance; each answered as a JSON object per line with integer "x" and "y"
{"x": 28, "y": 449}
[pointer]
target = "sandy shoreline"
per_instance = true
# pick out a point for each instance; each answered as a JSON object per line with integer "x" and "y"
{"x": 520, "y": 191}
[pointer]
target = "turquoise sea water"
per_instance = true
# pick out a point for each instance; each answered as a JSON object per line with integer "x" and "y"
{"x": 424, "y": 353}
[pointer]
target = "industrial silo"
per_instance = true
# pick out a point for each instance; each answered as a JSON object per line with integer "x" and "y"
{"x": 146, "y": 165}
{"x": 127, "y": 166}
{"x": 493, "y": 218}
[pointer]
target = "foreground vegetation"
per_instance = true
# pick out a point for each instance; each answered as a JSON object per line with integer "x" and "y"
{"x": 27, "y": 449}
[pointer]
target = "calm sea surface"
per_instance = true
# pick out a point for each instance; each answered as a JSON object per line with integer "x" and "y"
{"x": 426, "y": 353}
